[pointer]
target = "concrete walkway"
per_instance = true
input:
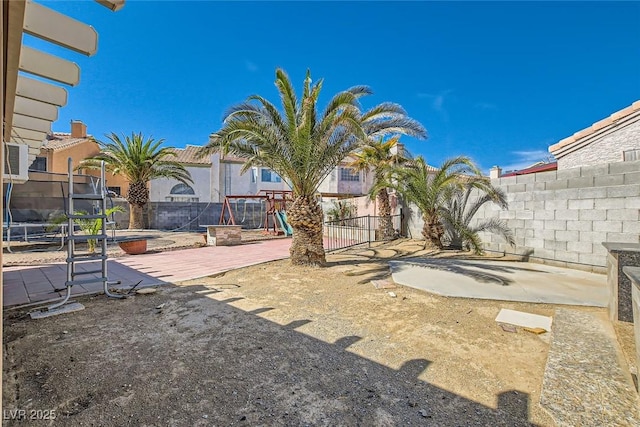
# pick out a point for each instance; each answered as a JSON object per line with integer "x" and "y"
{"x": 31, "y": 284}
{"x": 584, "y": 381}
{"x": 502, "y": 280}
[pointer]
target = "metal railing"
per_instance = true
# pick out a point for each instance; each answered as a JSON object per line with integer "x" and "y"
{"x": 348, "y": 232}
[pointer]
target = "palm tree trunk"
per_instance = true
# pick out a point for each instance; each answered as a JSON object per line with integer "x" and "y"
{"x": 136, "y": 218}
{"x": 384, "y": 211}
{"x": 138, "y": 196}
{"x": 305, "y": 217}
{"x": 432, "y": 231}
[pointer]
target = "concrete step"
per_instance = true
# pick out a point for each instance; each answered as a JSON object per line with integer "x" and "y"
{"x": 586, "y": 380}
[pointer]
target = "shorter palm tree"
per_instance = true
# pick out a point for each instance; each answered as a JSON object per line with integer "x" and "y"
{"x": 341, "y": 210}
{"x": 90, "y": 227}
{"x": 462, "y": 205}
{"x": 139, "y": 160}
{"x": 428, "y": 188}
{"x": 381, "y": 157}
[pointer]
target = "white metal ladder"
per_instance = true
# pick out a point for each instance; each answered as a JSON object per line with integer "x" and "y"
{"x": 76, "y": 258}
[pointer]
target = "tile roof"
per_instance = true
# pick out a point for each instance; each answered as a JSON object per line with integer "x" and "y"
{"x": 230, "y": 158}
{"x": 61, "y": 141}
{"x": 189, "y": 154}
{"x": 538, "y": 167}
{"x": 568, "y": 144}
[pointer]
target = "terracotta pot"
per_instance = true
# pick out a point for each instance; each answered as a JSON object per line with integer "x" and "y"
{"x": 134, "y": 247}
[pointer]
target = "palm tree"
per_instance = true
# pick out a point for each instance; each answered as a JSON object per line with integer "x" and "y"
{"x": 460, "y": 209}
{"x": 139, "y": 160}
{"x": 382, "y": 157}
{"x": 341, "y": 211}
{"x": 301, "y": 144}
{"x": 383, "y": 120}
{"x": 428, "y": 188}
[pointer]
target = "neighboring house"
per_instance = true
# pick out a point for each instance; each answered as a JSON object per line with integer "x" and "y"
{"x": 217, "y": 176}
{"x": 201, "y": 190}
{"x": 496, "y": 172}
{"x": 229, "y": 180}
{"x": 78, "y": 145}
{"x": 614, "y": 139}
{"x": 346, "y": 182}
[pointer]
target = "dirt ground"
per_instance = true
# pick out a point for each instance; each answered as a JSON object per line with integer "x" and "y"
{"x": 275, "y": 344}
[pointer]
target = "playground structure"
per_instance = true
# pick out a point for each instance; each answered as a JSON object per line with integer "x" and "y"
{"x": 273, "y": 204}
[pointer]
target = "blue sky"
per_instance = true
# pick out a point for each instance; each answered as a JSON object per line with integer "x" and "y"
{"x": 499, "y": 82}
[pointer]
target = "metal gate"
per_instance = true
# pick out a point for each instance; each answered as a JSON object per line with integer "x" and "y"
{"x": 348, "y": 232}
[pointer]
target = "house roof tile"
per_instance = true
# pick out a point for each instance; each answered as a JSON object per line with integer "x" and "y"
{"x": 567, "y": 145}
{"x": 61, "y": 141}
{"x": 190, "y": 155}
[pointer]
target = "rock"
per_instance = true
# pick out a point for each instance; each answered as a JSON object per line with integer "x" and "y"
{"x": 424, "y": 413}
{"x": 383, "y": 284}
{"x": 144, "y": 291}
{"x": 392, "y": 294}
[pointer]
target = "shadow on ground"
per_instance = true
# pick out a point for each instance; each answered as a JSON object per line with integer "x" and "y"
{"x": 480, "y": 271}
{"x": 201, "y": 361}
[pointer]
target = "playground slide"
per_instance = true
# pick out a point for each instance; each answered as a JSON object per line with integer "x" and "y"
{"x": 282, "y": 220}
{"x": 286, "y": 223}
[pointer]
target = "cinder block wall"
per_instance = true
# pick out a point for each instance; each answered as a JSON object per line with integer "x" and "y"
{"x": 189, "y": 216}
{"x": 562, "y": 217}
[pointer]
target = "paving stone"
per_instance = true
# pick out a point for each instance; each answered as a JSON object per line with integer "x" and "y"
{"x": 584, "y": 383}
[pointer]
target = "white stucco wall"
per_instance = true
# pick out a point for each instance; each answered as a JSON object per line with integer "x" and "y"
{"x": 159, "y": 189}
{"x": 233, "y": 182}
{"x": 607, "y": 148}
{"x": 333, "y": 184}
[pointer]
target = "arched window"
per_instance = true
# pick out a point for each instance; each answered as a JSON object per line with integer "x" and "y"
{"x": 182, "y": 193}
{"x": 182, "y": 189}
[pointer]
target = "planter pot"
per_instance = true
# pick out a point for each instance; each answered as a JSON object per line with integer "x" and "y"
{"x": 134, "y": 247}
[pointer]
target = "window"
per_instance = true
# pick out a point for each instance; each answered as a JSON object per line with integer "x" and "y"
{"x": 182, "y": 189}
{"x": 631, "y": 155}
{"x": 254, "y": 175}
{"x": 115, "y": 190}
{"x": 39, "y": 164}
{"x": 182, "y": 193}
{"x": 267, "y": 175}
{"x": 348, "y": 174}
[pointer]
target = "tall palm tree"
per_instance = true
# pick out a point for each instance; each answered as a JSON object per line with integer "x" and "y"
{"x": 300, "y": 143}
{"x": 460, "y": 209}
{"x": 138, "y": 160}
{"x": 381, "y": 157}
{"x": 428, "y": 189}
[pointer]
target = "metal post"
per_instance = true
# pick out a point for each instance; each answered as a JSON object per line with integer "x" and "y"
{"x": 369, "y": 230}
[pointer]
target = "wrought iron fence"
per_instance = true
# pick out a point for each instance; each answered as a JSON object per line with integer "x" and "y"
{"x": 348, "y": 232}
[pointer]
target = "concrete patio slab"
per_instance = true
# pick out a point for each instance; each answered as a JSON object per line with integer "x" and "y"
{"x": 502, "y": 280}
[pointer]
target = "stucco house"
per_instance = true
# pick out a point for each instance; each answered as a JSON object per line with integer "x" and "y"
{"x": 201, "y": 190}
{"x": 229, "y": 180}
{"x": 78, "y": 145}
{"x": 613, "y": 139}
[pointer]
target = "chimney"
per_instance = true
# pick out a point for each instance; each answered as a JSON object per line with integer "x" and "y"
{"x": 78, "y": 129}
{"x": 495, "y": 172}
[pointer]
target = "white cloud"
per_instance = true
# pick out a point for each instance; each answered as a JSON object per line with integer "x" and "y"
{"x": 252, "y": 67}
{"x": 437, "y": 101}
